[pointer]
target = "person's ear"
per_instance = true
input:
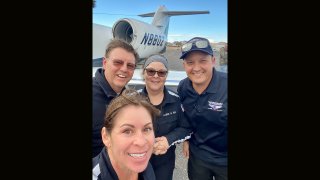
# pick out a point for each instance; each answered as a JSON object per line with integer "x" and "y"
{"x": 105, "y": 137}
{"x": 213, "y": 59}
{"x": 104, "y": 62}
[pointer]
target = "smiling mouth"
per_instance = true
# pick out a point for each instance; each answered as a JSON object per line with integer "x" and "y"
{"x": 121, "y": 76}
{"x": 137, "y": 155}
{"x": 197, "y": 73}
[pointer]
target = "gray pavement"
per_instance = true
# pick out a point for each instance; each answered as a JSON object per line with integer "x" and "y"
{"x": 180, "y": 170}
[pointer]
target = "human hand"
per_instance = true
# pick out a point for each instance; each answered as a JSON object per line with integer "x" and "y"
{"x": 161, "y": 146}
{"x": 185, "y": 149}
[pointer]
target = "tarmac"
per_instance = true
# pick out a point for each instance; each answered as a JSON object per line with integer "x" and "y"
{"x": 181, "y": 166}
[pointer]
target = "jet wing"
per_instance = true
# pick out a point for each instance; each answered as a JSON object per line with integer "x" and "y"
{"x": 173, "y": 79}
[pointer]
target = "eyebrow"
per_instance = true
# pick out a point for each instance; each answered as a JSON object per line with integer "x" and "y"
{"x": 121, "y": 60}
{"x": 132, "y": 126}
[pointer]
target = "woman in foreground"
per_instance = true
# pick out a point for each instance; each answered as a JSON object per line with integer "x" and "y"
{"x": 128, "y": 136}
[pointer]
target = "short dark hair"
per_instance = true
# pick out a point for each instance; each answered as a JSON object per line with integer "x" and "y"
{"x": 115, "y": 43}
{"x": 128, "y": 97}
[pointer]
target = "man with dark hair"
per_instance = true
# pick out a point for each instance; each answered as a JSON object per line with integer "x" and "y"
{"x": 118, "y": 67}
{"x": 204, "y": 99}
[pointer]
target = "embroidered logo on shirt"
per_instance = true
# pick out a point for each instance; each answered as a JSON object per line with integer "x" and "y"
{"x": 169, "y": 113}
{"x": 215, "y": 106}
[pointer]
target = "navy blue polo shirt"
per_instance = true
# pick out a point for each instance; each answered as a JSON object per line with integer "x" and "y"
{"x": 208, "y": 116}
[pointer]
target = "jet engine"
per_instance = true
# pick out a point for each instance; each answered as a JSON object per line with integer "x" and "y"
{"x": 145, "y": 38}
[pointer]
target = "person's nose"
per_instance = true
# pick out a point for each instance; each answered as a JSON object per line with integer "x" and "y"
{"x": 196, "y": 66}
{"x": 124, "y": 67}
{"x": 156, "y": 74}
{"x": 140, "y": 139}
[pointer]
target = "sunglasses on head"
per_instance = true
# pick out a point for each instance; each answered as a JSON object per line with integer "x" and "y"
{"x": 198, "y": 44}
{"x": 152, "y": 72}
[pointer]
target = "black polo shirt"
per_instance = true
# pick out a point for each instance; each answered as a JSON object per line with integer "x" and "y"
{"x": 208, "y": 115}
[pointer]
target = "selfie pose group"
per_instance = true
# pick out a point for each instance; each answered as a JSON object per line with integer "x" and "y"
{"x": 135, "y": 132}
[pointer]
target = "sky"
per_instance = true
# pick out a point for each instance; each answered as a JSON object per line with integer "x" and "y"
{"x": 213, "y": 26}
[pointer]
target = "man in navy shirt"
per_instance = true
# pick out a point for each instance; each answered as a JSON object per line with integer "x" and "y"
{"x": 119, "y": 63}
{"x": 204, "y": 99}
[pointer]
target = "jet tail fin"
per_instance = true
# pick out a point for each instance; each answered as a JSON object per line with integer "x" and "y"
{"x": 175, "y": 13}
{"x": 161, "y": 17}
